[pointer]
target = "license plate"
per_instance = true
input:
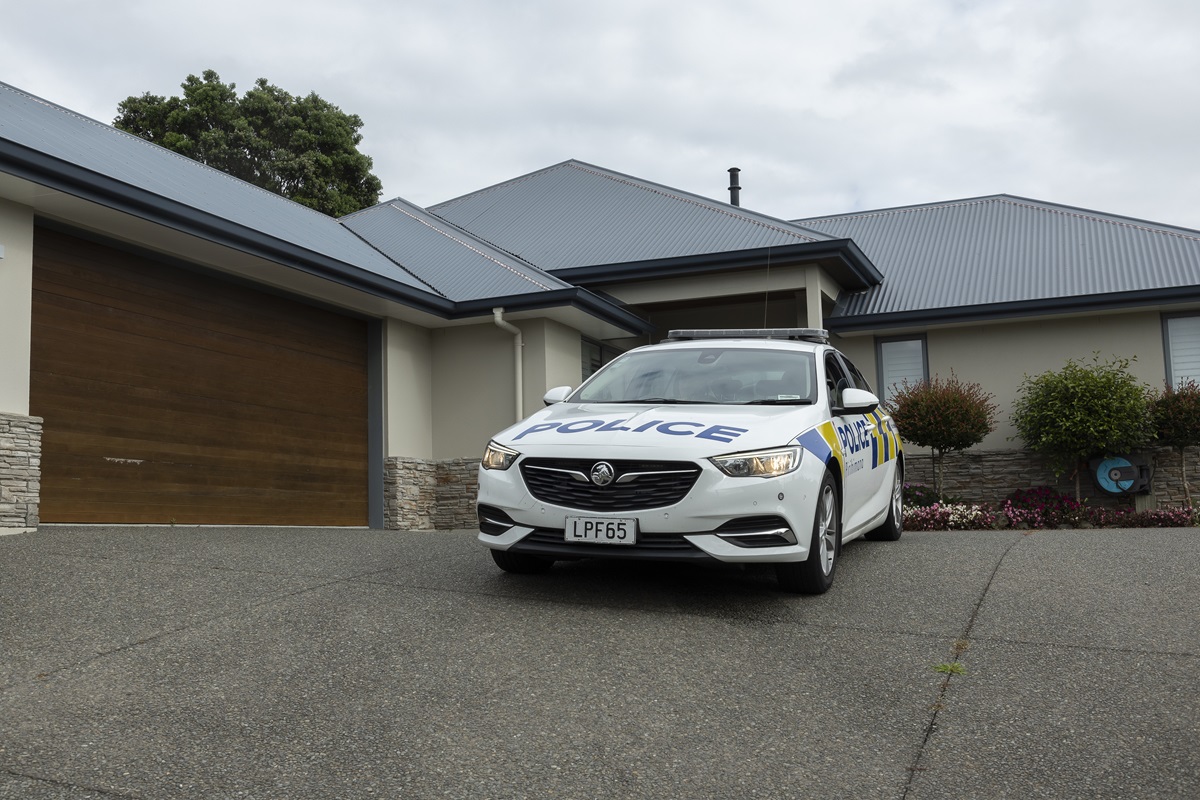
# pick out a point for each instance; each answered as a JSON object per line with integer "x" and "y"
{"x": 597, "y": 530}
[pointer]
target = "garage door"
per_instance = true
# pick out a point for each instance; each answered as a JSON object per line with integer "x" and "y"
{"x": 173, "y": 396}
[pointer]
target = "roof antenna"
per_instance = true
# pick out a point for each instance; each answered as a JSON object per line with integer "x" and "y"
{"x": 734, "y": 189}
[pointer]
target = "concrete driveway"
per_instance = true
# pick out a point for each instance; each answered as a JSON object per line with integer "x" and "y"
{"x": 308, "y": 663}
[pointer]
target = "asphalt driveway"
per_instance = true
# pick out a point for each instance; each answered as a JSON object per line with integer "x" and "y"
{"x": 308, "y": 663}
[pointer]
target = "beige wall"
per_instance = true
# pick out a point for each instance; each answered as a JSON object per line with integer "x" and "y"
{"x": 16, "y": 293}
{"x": 408, "y": 398}
{"x": 998, "y": 356}
{"x": 473, "y": 388}
{"x": 553, "y": 357}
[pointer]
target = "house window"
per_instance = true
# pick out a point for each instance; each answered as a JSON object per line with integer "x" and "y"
{"x": 1182, "y": 342}
{"x": 900, "y": 361}
{"x": 595, "y": 356}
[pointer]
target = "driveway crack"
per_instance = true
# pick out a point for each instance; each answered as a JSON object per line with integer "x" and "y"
{"x": 960, "y": 645}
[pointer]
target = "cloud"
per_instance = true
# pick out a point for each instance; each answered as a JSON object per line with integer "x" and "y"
{"x": 826, "y": 108}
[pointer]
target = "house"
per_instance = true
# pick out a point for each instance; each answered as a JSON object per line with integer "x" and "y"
{"x": 179, "y": 346}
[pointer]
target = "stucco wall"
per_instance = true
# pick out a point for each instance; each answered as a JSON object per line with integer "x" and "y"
{"x": 473, "y": 388}
{"x": 999, "y": 356}
{"x": 16, "y": 290}
{"x": 408, "y": 404}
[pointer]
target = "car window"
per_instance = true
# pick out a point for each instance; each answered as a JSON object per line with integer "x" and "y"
{"x": 836, "y": 380}
{"x": 856, "y": 376}
{"x": 722, "y": 375}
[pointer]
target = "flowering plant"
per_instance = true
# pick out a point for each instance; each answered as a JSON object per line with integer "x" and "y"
{"x": 949, "y": 517}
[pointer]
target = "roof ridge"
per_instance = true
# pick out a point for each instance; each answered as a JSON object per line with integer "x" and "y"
{"x": 750, "y": 217}
{"x": 1023, "y": 202}
{"x": 467, "y": 245}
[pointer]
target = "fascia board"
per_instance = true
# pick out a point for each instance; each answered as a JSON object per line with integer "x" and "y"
{"x": 1113, "y": 301}
{"x": 862, "y": 272}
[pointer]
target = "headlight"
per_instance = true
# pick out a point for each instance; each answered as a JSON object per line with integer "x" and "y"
{"x": 497, "y": 457}
{"x": 760, "y": 464}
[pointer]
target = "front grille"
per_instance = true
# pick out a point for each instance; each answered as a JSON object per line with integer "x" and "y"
{"x": 650, "y": 546}
{"x": 636, "y": 484}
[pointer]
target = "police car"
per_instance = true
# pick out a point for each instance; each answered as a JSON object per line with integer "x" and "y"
{"x": 747, "y": 446}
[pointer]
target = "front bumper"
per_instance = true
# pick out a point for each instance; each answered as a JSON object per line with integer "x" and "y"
{"x": 734, "y": 520}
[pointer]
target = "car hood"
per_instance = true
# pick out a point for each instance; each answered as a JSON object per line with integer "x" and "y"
{"x": 687, "y": 431}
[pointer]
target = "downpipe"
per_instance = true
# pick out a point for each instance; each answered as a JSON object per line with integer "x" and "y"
{"x": 518, "y": 345}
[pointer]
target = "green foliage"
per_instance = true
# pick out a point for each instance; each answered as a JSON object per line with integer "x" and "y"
{"x": 1083, "y": 410}
{"x": 1175, "y": 412}
{"x": 1176, "y": 415}
{"x": 303, "y": 148}
{"x": 943, "y": 414}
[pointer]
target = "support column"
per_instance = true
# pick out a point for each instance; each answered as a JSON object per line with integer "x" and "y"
{"x": 20, "y": 433}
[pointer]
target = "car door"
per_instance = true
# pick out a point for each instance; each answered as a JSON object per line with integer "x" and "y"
{"x": 861, "y": 479}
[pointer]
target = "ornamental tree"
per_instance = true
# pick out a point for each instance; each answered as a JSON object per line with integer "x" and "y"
{"x": 1081, "y": 411}
{"x": 1175, "y": 413}
{"x": 944, "y": 415}
{"x": 303, "y": 148}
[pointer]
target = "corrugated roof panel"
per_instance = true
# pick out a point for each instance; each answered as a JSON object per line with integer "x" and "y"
{"x": 104, "y": 150}
{"x": 575, "y": 214}
{"x": 448, "y": 260}
{"x": 1005, "y": 249}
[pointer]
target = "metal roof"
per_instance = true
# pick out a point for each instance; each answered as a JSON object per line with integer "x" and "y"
{"x": 574, "y": 215}
{"x": 55, "y": 133}
{"x": 1002, "y": 255}
{"x": 395, "y": 250}
{"x": 450, "y": 261}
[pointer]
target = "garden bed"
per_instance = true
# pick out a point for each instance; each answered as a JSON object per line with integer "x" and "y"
{"x": 1031, "y": 509}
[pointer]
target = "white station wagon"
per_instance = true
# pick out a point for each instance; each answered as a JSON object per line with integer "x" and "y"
{"x": 743, "y": 446}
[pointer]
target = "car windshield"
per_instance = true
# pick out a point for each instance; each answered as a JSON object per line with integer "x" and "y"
{"x": 725, "y": 376}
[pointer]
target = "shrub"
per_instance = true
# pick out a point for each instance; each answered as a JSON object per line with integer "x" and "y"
{"x": 942, "y": 414}
{"x": 1175, "y": 413}
{"x": 918, "y": 495}
{"x": 1082, "y": 411}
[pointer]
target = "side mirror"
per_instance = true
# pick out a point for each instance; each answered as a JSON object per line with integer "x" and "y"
{"x": 556, "y": 395}
{"x": 859, "y": 401}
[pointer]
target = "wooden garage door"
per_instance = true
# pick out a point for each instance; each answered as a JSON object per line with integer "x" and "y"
{"x": 170, "y": 396}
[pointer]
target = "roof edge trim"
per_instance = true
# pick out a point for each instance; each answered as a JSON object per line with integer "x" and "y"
{"x": 85, "y": 184}
{"x": 1014, "y": 310}
{"x": 863, "y": 273}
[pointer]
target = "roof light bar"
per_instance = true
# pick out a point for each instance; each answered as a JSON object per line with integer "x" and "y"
{"x": 803, "y": 334}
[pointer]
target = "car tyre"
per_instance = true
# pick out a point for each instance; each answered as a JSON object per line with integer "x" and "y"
{"x": 893, "y": 526}
{"x": 521, "y": 563}
{"x": 814, "y": 575}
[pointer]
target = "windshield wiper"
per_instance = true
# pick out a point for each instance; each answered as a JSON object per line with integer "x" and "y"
{"x": 800, "y": 401}
{"x": 661, "y": 401}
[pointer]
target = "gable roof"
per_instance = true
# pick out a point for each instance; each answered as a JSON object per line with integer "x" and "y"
{"x": 447, "y": 275}
{"x": 586, "y": 224}
{"x": 447, "y": 259}
{"x": 1004, "y": 256}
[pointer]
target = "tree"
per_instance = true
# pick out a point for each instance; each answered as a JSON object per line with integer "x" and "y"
{"x": 303, "y": 148}
{"x": 944, "y": 415}
{"x": 1176, "y": 415}
{"x": 1083, "y": 411}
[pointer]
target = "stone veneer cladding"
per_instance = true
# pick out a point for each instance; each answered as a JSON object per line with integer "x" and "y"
{"x": 421, "y": 494}
{"x": 440, "y": 495}
{"x": 990, "y": 476}
{"x": 20, "y": 470}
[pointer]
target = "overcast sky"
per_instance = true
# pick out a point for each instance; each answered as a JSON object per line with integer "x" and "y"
{"x": 827, "y": 107}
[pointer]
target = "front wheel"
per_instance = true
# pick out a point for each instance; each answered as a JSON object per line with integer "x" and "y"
{"x": 893, "y": 526}
{"x": 521, "y": 563}
{"x": 814, "y": 575}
